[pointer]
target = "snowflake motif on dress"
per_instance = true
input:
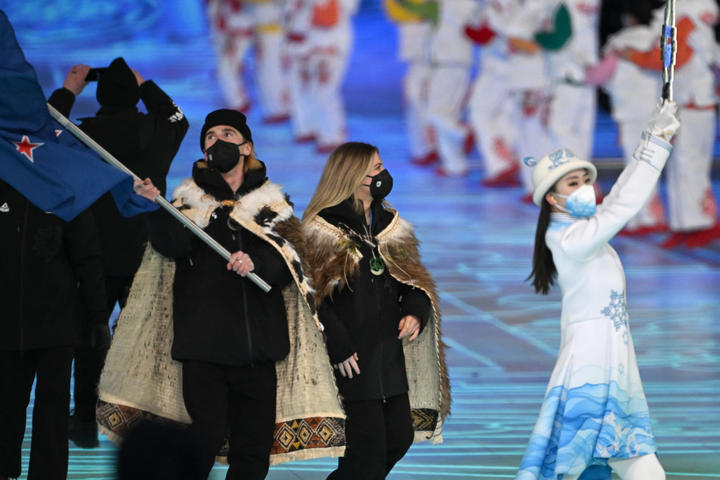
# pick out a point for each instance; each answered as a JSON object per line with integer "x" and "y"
{"x": 617, "y": 312}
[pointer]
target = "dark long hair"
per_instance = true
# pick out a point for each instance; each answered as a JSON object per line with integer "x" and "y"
{"x": 543, "y": 272}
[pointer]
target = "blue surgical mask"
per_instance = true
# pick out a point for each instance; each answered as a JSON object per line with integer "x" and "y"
{"x": 580, "y": 203}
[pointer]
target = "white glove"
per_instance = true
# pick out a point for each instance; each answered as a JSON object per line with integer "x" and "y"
{"x": 663, "y": 122}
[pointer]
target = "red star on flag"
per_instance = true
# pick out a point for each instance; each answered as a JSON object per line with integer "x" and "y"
{"x": 26, "y": 147}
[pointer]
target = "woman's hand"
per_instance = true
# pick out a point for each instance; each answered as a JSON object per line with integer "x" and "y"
{"x": 347, "y": 366}
{"x": 409, "y": 326}
{"x": 240, "y": 263}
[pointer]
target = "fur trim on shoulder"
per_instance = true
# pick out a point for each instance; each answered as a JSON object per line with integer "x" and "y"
{"x": 267, "y": 201}
{"x": 266, "y": 205}
{"x": 331, "y": 257}
{"x": 194, "y": 202}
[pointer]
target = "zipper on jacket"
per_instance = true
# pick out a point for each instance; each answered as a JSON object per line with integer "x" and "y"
{"x": 21, "y": 296}
{"x": 382, "y": 342}
{"x": 247, "y": 322}
{"x": 245, "y": 306}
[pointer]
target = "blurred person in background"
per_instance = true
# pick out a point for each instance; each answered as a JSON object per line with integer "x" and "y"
{"x": 146, "y": 143}
{"x": 416, "y": 20}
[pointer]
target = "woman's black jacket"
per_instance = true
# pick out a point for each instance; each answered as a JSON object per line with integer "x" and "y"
{"x": 363, "y": 317}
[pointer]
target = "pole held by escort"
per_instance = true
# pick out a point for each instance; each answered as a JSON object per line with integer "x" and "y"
{"x": 160, "y": 200}
{"x": 668, "y": 50}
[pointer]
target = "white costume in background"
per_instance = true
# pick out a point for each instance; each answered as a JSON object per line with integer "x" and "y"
{"x": 414, "y": 48}
{"x": 492, "y": 106}
{"x": 572, "y": 109}
{"x": 633, "y": 91}
{"x": 236, "y": 26}
{"x": 509, "y": 99}
{"x": 452, "y": 57}
{"x": 595, "y": 408}
{"x": 330, "y": 48}
{"x": 299, "y": 15}
{"x": 691, "y": 202}
{"x": 271, "y": 76}
{"x": 414, "y": 36}
{"x": 231, "y": 25}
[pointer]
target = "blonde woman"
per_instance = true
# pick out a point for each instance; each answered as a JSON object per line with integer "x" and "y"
{"x": 374, "y": 299}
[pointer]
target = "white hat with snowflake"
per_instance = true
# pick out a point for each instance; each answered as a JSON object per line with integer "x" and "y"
{"x": 551, "y": 168}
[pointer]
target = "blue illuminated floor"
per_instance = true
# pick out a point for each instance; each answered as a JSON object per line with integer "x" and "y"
{"x": 478, "y": 244}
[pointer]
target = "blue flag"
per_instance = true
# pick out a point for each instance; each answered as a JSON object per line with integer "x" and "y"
{"x": 39, "y": 158}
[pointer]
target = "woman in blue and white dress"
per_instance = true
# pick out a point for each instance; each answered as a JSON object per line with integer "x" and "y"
{"x": 594, "y": 409}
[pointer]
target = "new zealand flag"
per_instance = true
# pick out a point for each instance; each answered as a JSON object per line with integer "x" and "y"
{"x": 41, "y": 160}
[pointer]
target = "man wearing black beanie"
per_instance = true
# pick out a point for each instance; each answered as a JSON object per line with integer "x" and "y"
{"x": 227, "y": 333}
{"x": 146, "y": 144}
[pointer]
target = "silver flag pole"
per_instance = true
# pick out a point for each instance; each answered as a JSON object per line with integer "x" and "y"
{"x": 668, "y": 49}
{"x": 160, "y": 200}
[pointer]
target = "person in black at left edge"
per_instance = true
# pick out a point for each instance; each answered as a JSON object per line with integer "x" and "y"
{"x": 46, "y": 264}
{"x": 146, "y": 143}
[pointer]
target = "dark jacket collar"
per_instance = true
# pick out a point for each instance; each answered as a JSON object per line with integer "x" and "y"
{"x": 112, "y": 111}
{"x": 213, "y": 183}
{"x": 345, "y": 214}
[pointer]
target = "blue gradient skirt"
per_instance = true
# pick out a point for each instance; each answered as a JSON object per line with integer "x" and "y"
{"x": 594, "y": 408}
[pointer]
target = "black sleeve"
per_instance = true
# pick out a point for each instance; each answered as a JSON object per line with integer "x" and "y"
{"x": 63, "y": 100}
{"x": 414, "y": 301}
{"x": 269, "y": 264}
{"x": 167, "y": 235}
{"x": 83, "y": 249}
{"x": 337, "y": 338}
{"x": 167, "y": 127}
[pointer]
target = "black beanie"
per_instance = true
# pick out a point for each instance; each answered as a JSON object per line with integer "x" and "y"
{"x": 224, "y": 116}
{"x": 117, "y": 86}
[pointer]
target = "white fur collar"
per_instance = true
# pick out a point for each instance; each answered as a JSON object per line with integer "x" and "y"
{"x": 197, "y": 204}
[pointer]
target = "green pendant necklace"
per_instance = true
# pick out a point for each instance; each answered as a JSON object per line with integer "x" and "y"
{"x": 377, "y": 266}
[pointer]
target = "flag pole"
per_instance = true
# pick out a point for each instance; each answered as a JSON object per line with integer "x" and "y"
{"x": 668, "y": 49}
{"x": 159, "y": 199}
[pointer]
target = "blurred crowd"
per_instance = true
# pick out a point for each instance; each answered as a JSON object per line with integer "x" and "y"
{"x": 300, "y": 49}
{"x": 537, "y": 66}
{"x": 512, "y": 78}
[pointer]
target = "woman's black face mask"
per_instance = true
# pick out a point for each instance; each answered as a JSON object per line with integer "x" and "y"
{"x": 223, "y": 156}
{"x": 380, "y": 184}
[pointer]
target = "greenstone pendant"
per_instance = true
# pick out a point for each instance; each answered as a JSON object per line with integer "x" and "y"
{"x": 377, "y": 266}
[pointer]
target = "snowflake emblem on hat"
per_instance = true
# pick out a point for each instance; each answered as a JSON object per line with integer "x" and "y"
{"x": 559, "y": 157}
{"x": 617, "y": 310}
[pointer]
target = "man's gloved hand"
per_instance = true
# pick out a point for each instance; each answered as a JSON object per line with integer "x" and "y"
{"x": 663, "y": 122}
{"x": 99, "y": 337}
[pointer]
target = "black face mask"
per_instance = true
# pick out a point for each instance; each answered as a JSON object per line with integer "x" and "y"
{"x": 223, "y": 156}
{"x": 380, "y": 185}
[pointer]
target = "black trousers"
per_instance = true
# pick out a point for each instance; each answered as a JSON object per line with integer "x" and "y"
{"x": 243, "y": 398}
{"x": 49, "y": 445}
{"x": 89, "y": 362}
{"x": 379, "y": 433}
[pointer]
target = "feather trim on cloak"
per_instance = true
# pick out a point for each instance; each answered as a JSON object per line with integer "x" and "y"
{"x": 333, "y": 259}
{"x": 140, "y": 380}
